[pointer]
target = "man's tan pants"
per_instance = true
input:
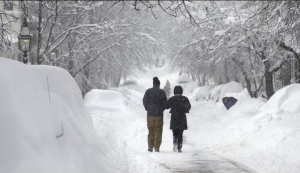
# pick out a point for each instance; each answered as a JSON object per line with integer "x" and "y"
{"x": 155, "y": 128}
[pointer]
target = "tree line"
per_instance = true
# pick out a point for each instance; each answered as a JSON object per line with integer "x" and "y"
{"x": 256, "y": 43}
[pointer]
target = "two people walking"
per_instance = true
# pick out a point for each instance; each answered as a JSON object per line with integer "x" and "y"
{"x": 155, "y": 102}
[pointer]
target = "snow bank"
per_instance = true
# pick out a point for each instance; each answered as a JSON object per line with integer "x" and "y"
{"x": 46, "y": 132}
{"x": 203, "y": 93}
{"x": 189, "y": 87}
{"x": 64, "y": 86}
{"x": 253, "y": 132}
{"x": 286, "y": 99}
{"x": 195, "y": 91}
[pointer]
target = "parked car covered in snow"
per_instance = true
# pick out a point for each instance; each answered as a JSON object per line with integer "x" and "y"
{"x": 184, "y": 78}
{"x": 203, "y": 93}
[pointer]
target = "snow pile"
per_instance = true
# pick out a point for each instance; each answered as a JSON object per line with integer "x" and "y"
{"x": 194, "y": 93}
{"x": 231, "y": 87}
{"x": 203, "y": 93}
{"x": 252, "y": 132}
{"x": 45, "y": 131}
{"x": 64, "y": 86}
{"x": 189, "y": 87}
{"x": 184, "y": 78}
{"x": 286, "y": 99}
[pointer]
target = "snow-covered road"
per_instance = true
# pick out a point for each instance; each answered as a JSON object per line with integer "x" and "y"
{"x": 126, "y": 129}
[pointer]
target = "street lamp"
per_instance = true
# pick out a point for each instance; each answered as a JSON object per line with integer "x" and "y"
{"x": 25, "y": 40}
{"x": 53, "y": 55}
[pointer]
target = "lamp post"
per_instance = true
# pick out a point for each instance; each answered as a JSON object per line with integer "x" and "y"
{"x": 53, "y": 56}
{"x": 25, "y": 40}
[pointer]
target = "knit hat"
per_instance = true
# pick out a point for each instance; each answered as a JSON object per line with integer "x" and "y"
{"x": 156, "y": 81}
{"x": 178, "y": 90}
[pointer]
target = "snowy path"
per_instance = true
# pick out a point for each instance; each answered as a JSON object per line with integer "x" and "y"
{"x": 202, "y": 162}
{"x": 128, "y": 128}
{"x": 192, "y": 159}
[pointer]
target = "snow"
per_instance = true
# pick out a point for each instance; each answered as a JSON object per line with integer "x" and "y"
{"x": 229, "y": 88}
{"x": 102, "y": 99}
{"x": 148, "y": 36}
{"x": 195, "y": 91}
{"x": 220, "y": 32}
{"x": 215, "y": 93}
{"x": 189, "y": 87}
{"x": 223, "y": 9}
{"x": 55, "y": 134}
{"x": 230, "y": 20}
{"x": 42, "y": 134}
{"x": 12, "y": 38}
{"x": 183, "y": 78}
{"x": 203, "y": 93}
{"x": 286, "y": 99}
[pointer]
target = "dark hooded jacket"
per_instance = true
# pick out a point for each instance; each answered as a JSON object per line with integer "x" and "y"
{"x": 155, "y": 101}
{"x": 180, "y": 105}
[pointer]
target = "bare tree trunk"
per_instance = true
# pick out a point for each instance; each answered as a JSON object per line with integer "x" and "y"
{"x": 71, "y": 62}
{"x": 39, "y": 42}
{"x": 247, "y": 80}
{"x": 203, "y": 80}
{"x": 268, "y": 76}
{"x": 226, "y": 71}
{"x": 85, "y": 80}
{"x": 297, "y": 71}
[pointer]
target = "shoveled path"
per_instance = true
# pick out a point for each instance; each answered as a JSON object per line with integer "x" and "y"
{"x": 195, "y": 161}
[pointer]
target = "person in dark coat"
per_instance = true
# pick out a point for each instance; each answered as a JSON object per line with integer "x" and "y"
{"x": 154, "y": 102}
{"x": 180, "y": 105}
{"x": 229, "y": 102}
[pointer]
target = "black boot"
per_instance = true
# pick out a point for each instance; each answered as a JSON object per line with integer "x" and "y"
{"x": 179, "y": 148}
{"x": 175, "y": 143}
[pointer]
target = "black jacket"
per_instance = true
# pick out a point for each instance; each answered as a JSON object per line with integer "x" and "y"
{"x": 180, "y": 105}
{"x": 155, "y": 101}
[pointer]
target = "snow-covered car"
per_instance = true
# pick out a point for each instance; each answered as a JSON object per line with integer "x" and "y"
{"x": 203, "y": 93}
{"x": 184, "y": 78}
{"x": 129, "y": 82}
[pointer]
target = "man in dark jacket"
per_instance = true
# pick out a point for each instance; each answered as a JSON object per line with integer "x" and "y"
{"x": 180, "y": 105}
{"x": 154, "y": 102}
